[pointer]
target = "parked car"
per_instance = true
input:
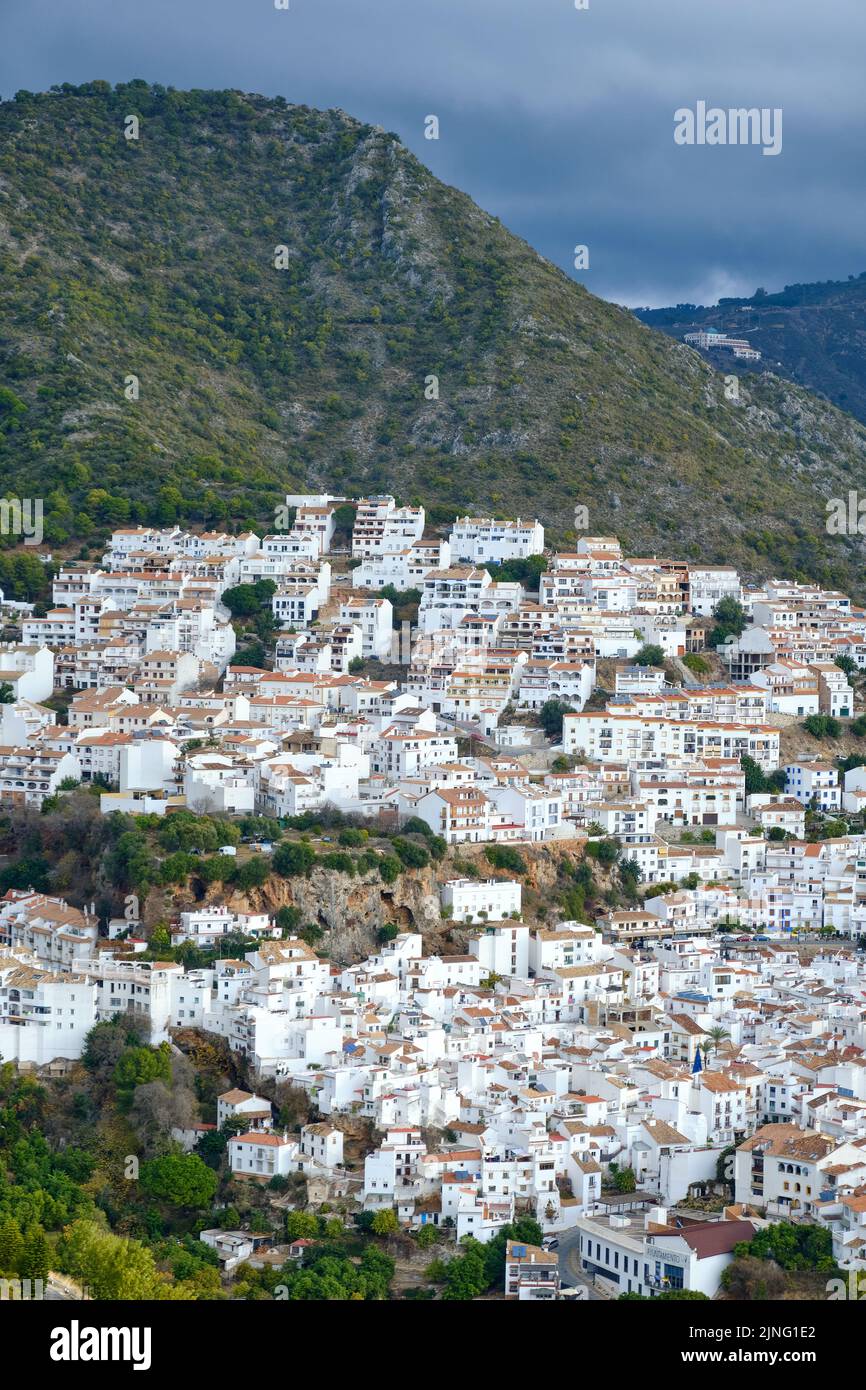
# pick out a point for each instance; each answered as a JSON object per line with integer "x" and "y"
{"x": 550, "y": 1243}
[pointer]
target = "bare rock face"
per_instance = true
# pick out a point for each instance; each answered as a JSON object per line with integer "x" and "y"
{"x": 352, "y": 909}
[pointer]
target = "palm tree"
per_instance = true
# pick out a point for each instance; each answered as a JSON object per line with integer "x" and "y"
{"x": 714, "y": 1039}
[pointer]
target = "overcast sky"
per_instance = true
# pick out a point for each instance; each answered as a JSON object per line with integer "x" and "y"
{"x": 558, "y": 120}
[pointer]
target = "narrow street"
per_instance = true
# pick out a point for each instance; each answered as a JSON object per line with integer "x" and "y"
{"x": 569, "y": 1267}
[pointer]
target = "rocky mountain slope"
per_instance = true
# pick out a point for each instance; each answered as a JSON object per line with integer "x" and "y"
{"x": 251, "y": 297}
{"x": 813, "y": 334}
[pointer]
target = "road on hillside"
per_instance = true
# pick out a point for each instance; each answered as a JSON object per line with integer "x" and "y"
{"x": 569, "y": 1266}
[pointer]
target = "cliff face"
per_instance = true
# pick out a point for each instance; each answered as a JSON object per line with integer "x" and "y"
{"x": 351, "y": 910}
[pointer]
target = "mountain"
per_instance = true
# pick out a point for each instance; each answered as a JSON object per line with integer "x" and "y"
{"x": 814, "y": 335}
{"x": 155, "y": 258}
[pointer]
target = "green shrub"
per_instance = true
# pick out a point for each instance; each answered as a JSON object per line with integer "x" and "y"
{"x": 504, "y": 857}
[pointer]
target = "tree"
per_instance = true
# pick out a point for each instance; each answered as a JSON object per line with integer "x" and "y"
{"x": 792, "y": 1247}
{"x": 293, "y": 1105}
{"x": 427, "y": 1236}
{"x": 385, "y": 1222}
{"x": 730, "y": 616}
{"x": 137, "y": 1066}
{"x": 33, "y": 1261}
{"x": 390, "y": 868}
{"x": 630, "y": 875}
{"x": 725, "y": 1166}
{"x": 523, "y": 571}
{"x": 606, "y": 851}
{"x": 11, "y": 1245}
{"x": 288, "y": 919}
{"x": 7, "y": 694}
{"x": 293, "y": 859}
{"x": 111, "y": 1267}
{"x": 183, "y": 1180}
{"x": 414, "y": 856}
{"x": 715, "y": 1036}
{"x": 436, "y": 1271}
{"x": 301, "y": 1225}
{"x": 246, "y": 600}
{"x": 748, "y": 1279}
{"x": 650, "y": 654}
{"x": 550, "y": 717}
{"x": 157, "y": 1109}
{"x": 757, "y": 780}
{"x": 505, "y": 857}
{"x": 525, "y": 1229}
{"x": 253, "y": 874}
{"x": 104, "y": 1045}
{"x": 624, "y": 1180}
{"x": 465, "y": 1275}
{"x": 822, "y": 726}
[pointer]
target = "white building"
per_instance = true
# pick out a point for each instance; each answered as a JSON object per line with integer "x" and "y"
{"x": 503, "y": 949}
{"x": 813, "y": 780}
{"x": 261, "y": 1155}
{"x": 476, "y": 900}
{"x": 480, "y": 540}
{"x": 382, "y": 527}
{"x": 709, "y": 584}
{"x": 625, "y": 1256}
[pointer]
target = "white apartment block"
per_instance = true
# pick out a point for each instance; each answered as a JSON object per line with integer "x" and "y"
{"x": 814, "y": 782}
{"x": 382, "y": 527}
{"x": 45, "y": 1014}
{"x": 480, "y": 540}
{"x": 624, "y": 738}
{"x": 476, "y": 900}
{"x": 374, "y": 618}
{"x": 503, "y": 949}
{"x": 709, "y": 584}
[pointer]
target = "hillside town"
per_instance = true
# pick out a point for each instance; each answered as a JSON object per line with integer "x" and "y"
{"x": 652, "y": 1085}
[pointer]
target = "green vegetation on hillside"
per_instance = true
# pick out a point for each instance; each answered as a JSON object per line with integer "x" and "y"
{"x": 811, "y": 333}
{"x": 157, "y": 258}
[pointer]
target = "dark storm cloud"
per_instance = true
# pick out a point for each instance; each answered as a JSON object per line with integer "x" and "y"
{"x": 559, "y": 121}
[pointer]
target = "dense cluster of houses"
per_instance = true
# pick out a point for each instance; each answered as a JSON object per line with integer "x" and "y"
{"x": 547, "y": 1059}
{"x": 370, "y": 719}
{"x": 551, "y": 1057}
